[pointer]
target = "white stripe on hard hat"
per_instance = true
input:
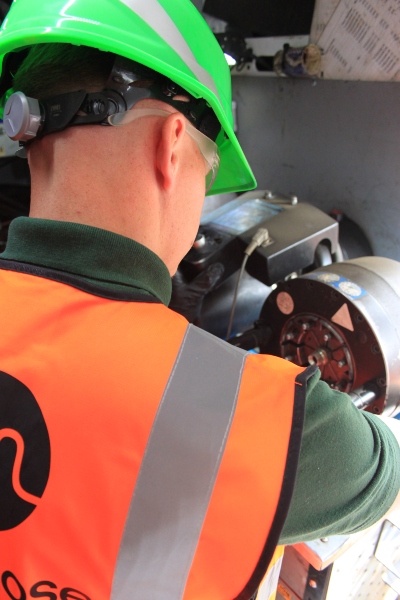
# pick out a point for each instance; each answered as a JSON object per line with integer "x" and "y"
{"x": 158, "y": 19}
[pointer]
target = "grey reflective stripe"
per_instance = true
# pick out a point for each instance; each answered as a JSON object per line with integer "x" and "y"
{"x": 178, "y": 470}
{"x": 270, "y": 582}
{"x": 158, "y": 19}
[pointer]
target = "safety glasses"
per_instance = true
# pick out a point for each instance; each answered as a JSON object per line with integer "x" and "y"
{"x": 207, "y": 147}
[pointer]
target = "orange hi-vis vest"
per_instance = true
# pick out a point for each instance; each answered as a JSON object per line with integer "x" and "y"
{"x": 142, "y": 458}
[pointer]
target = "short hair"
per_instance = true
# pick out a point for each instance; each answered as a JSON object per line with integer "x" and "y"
{"x": 52, "y": 69}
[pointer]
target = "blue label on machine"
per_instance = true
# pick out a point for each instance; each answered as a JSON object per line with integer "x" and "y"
{"x": 344, "y": 286}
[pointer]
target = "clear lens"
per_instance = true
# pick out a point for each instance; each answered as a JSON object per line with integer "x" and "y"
{"x": 210, "y": 178}
{"x": 207, "y": 147}
{"x": 210, "y": 152}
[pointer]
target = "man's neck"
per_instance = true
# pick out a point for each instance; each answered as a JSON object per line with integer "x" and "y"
{"x": 71, "y": 183}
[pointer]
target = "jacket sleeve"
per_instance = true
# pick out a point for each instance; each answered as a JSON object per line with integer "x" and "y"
{"x": 349, "y": 469}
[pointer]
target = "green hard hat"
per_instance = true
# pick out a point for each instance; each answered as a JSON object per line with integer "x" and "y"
{"x": 168, "y": 36}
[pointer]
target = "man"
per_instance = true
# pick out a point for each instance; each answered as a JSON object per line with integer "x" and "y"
{"x": 143, "y": 457}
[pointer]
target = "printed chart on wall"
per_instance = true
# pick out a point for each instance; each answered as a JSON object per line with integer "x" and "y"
{"x": 360, "y": 39}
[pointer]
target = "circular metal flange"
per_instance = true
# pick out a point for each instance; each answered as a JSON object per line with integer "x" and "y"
{"x": 357, "y": 304}
{"x": 311, "y": 339}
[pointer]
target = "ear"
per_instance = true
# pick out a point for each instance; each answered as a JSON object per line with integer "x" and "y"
{"x": 169, "y": 148}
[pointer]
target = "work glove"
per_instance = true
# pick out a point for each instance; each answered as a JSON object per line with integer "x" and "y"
{"x": 187, "y": 298}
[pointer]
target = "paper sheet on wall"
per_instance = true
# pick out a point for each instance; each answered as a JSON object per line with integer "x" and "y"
{"x": 360, "y": 39}
{"x": 323, "y": 12}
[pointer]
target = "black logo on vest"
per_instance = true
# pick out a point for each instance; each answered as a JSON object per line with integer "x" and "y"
{"x": 24, "y": 452}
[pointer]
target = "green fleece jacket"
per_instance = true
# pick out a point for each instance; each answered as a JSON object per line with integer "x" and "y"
{"x": 349, "y": 466}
